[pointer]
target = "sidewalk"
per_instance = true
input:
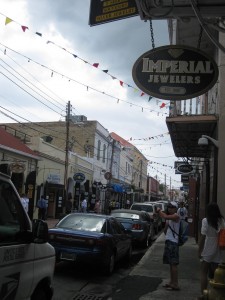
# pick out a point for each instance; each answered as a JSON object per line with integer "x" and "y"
{"x": 146, "y": 280}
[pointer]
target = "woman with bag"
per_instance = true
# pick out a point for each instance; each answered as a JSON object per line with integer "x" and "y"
{"x": 209, "y": 250}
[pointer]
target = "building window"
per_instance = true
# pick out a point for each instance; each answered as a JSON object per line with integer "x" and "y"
{"x": 104, "y": 153}
{"x": 99, "y": 150}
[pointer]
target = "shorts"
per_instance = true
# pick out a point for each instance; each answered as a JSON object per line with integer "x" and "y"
{"x": 171, "y": 253}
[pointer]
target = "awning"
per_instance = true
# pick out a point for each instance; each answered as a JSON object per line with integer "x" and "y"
{"x": 117, "y": 188}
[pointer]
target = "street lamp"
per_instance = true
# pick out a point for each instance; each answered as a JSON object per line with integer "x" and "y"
{"x": 203, "y": 141}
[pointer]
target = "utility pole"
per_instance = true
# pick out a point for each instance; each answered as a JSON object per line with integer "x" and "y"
{"x": 68, "y": 108}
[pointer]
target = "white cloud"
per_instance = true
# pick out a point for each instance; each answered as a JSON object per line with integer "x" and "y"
{"x": 115, "y": 46}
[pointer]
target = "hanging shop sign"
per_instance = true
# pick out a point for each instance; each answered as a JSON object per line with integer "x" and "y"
{"x": 175, "y": 72}
{"x": 184, "y": 178}
{"x": 54, "y": 178}
{"x": 184, "y": 169}
{"x": 111, "y": 10}
{"x": 79, "y": 177}
{"x": 17, "y": 167}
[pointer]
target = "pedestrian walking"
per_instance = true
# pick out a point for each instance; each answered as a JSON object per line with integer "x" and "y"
{"x": 84, "y": 205}
{"x": 171, "y": 248}
{"x": 182, "y": 211}
{"x": 25, "y": 202}
{"x": 97, "y": 208}
{"x": 42, "y": 208}
{"x": 209, "y": 251}
{"x": 69, "y": 204}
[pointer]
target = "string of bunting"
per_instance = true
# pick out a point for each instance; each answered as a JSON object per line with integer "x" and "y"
{"x": 163, "y": 174}
{"x": 73, "y": 80}
{"x": 95, "y": 65}
{"x": 149, "y": 138}
{"x": 163, "y": 165}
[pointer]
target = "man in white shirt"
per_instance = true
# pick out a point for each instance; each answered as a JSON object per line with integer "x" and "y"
{"x": 84, "y": 205}
{"x": 182, "y": 211}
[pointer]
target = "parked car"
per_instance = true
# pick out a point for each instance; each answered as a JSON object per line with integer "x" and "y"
{"x": 27, "y": 261}
{"x": 138, "y": 222}
{"x": 150, "y": 208}
{"x": 91, "y": 238}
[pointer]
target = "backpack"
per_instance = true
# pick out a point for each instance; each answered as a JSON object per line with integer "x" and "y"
{"x": 183, "y": 232}
{"x": 181, "y": 212}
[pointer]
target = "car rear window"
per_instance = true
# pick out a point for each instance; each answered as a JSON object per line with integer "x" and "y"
{"x": 84, "y": 223}
{"x": 148, "y": 208}
{"x": 126, "y": 215}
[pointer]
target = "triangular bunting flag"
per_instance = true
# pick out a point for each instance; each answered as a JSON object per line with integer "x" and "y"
{"x": 74, "y": 55}
{"x": 38, "y": 33}
{"x": 7, "y": 20}
{"x": 24, "y": 28}
{"x": 95, "y": 65}
{"x": 142, "y": 94}
{"x": 106, "y": 71}
{"x": 121, "y": 83}
{"x": 162, "y": 105}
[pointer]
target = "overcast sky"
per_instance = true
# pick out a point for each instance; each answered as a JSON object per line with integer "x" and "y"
{"x": 39, "y": 74}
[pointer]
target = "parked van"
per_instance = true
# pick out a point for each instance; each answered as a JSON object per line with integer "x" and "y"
{"x": 27, "y": 261}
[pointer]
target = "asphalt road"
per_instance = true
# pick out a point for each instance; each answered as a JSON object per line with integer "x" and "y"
{"x": 74, "y": 281}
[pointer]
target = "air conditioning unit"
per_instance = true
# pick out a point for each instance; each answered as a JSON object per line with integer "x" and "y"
{"x": 77, "y": 119}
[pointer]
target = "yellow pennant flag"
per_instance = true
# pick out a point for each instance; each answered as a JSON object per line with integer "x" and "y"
{"x": 7, "y": 20}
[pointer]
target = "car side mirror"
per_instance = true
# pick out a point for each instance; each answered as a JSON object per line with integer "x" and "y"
{"x": 40, "y": 231}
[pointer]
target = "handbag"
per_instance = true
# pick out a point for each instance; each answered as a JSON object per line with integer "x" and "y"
{"x": 221, "y": 238}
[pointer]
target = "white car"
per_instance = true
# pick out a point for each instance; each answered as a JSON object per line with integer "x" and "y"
{"x": 27, "y": 260}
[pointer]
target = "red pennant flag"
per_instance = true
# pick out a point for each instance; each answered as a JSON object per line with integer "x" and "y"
{"x": 95, "y": 65}
{"x": 142, "y": 94}
{"x": 24, "y": 28}
{"x": 121, "y": 83}
{"x": 162, "y": 105}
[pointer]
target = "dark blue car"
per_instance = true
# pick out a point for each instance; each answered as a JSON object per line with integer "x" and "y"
{"x": 91, "y": 238}
{"x": 139, "y": 223}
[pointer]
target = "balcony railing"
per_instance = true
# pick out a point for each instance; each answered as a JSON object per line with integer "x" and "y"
{"x": 207, "y": 104}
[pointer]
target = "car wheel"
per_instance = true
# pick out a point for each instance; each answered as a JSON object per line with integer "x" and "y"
{"x": 39, "y": 293}
{"x": 152, "y": 236}
{"x": 128, "y": 254}
{"x": 145, "y": 243}
{"x": 110, "y": 265}
{"x": 156, "y": 229}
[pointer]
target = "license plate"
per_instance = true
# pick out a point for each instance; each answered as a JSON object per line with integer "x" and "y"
{"x": 68, "y": 256}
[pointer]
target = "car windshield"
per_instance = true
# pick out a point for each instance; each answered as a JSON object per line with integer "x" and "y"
{"x": 148, "y": 208}
{"x": 125, "y": 215}
{"x": 82, "y": 222}
{"x": 160, "y": 205}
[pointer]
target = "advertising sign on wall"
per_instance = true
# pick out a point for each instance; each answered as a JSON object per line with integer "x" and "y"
{"x": 175, "y": 72}
{"x": 111, "y": 10}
